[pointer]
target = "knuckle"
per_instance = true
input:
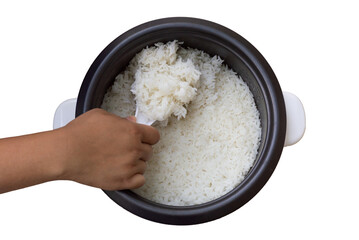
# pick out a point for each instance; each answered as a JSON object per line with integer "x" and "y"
{"x": 96, "y": 111}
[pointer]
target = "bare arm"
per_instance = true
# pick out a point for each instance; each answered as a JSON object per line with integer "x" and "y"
{"x": 31, "y": 159}
{"x": 97, "y": 149}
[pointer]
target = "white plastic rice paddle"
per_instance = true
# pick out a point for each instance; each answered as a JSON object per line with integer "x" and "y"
{"x": 142, "y": 119}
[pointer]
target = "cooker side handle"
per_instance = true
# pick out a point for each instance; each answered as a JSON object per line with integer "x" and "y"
{"x": 64, "y": 113}
{"x": 296, "y": 123}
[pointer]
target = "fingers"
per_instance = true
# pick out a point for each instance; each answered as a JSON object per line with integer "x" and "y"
{"x": 150, "y": 135}
{"x": 140, "y": 167}
{"x": 146, "y": 152}
{"x": 136, "y": 181}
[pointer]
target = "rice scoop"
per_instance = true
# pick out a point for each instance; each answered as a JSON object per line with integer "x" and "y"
{"x": 164, "y": 83}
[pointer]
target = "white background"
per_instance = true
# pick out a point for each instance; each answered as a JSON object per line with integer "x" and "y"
{"x": 46, "y": 49}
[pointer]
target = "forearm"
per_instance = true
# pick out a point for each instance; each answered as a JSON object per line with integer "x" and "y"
{"x": 31, "y": 159}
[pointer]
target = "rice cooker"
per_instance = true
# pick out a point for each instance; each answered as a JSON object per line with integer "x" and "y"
{"x": 281, "y": 113}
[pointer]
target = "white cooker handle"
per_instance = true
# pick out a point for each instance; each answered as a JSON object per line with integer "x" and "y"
{"x": 65, "y": 113}
{"x": 295, "y": 119}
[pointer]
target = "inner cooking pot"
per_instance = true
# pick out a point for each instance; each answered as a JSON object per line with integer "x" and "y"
{"x": 239, "y": 55}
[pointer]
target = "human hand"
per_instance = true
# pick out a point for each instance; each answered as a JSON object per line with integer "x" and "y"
{"x": 106, "y": 151}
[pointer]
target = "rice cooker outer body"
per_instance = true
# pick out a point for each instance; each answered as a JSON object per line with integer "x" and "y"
{"x": 239, "y": 55}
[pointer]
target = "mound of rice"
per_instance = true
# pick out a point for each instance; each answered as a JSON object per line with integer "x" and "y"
{"x": 164, "y": 83}
{"x": 210, "y": 151}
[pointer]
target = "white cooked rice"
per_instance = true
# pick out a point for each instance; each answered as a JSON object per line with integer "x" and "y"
{"x": 210, "y": 151}
{"x": 164, "y": 83}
